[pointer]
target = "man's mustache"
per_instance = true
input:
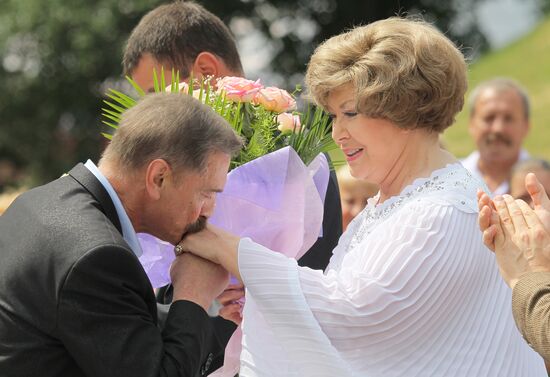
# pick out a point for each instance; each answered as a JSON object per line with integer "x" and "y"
{"x": 494, "y": 138}
{"x": 197, "y": 226}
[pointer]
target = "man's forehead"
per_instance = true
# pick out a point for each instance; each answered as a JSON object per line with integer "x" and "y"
{"x": 499, "y": 95}
{"x": 505, "y": 102}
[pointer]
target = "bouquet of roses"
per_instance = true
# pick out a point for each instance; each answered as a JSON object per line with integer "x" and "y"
{"x": 276, "y": 186}
{"x": 275, "y": 189}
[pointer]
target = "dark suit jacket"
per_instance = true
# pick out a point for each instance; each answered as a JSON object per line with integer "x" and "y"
{"x": 318, "y": 256}
{"x": 531, "y": 309}
{"x": 74, "y": 299}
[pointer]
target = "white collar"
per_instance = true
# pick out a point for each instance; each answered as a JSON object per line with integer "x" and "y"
{"x": 128, "y": 232}
{"x": 471, "y": 163}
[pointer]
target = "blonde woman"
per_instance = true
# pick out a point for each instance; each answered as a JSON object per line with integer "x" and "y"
{"x": 410, "y": 289}
{"x": 354, "y": 194}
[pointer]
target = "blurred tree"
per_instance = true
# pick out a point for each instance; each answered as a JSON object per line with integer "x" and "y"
{"x": 58, "y": 57}
{"x": 293, "y": 29}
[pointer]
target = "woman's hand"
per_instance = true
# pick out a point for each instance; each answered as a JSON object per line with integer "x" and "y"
{"x": 518, "y": 234}
{"x": 510, "y": 250}
{"x": 539, "y": 197}
{"x": 488, "y": 219}
{"x": 216, "y": 245}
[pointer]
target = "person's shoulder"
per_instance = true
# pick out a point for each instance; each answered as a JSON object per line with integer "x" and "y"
{"x": 66, "y": 219}
{"x": 470, "y": 161}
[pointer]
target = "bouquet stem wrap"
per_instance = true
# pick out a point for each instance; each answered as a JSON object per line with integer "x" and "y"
{"x": 278, "y": 202}
{"x": 275, "y": 200}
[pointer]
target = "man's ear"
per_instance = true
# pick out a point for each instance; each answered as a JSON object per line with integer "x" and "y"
{"x": 155, "y": 177}
{"x": 208, "y": 64}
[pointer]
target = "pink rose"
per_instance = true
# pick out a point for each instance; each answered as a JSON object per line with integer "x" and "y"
{"x": 275, "y": 99}
{"x": 238, "y": 89}
{"x": 288, "y": 122}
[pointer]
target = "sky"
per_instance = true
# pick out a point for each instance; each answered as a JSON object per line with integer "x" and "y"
{"x": 504, "y": 21}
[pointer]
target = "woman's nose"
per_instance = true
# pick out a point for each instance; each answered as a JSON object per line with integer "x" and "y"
{"x": 339, "y": 133}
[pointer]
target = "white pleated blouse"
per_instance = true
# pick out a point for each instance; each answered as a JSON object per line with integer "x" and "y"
{"x": 410, "y": 291}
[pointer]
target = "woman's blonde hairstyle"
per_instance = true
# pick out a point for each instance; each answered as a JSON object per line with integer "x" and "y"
{"x": 403, "y": 70}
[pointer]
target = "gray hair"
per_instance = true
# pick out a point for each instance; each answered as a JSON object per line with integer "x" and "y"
{"x": 500, "y": 84}
{"x": 530, "y": 165}
{"x": 174, "y": 127}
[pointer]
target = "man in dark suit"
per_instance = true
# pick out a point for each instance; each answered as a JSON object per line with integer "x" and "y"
{"x": 186, "y": 37}
{"x": 74, "y": 299}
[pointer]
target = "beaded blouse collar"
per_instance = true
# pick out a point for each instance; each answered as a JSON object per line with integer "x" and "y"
{"x": 453, "y": 177}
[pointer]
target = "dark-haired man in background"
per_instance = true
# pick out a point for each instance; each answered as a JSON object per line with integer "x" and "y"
{"x": 186, "y": 37}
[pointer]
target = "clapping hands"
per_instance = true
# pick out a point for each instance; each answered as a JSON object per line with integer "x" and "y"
{"x": 517, "y": 234}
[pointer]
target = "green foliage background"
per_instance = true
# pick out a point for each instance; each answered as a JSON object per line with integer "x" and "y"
{"x": 528, "y": 61}
{"x": 56, "y": 58}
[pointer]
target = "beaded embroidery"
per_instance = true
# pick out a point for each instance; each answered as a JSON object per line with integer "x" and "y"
{"x": 451, "y": 176}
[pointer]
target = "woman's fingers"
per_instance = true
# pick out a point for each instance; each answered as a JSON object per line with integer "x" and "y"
{"x": 483, "y": 200}
{"x": 528, "y": 214}
{"x": 537, "y": 192}
{"x": 489, "y": 237}
{"x": 536, "y": 239}
{"x": 504, "y": 215}
{"x": 484, "y": 218}
{"x": 516, "y": 215}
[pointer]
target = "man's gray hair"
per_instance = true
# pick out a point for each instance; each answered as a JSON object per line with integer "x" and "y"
{"x": 174, "y": 127}
{"x": 500, "y": 84}
{"x": 529, "y": 165}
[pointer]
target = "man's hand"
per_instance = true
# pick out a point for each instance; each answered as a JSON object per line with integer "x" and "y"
{"x": 196, "y": 279}
{"x": 232, "y": 300}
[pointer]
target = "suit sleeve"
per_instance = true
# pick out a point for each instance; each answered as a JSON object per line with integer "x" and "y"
{"x": 105, "y": 321}
{"x": 318, "y": 255}
{"x": 531, "y": 308}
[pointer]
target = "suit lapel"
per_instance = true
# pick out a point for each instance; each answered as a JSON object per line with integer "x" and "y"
{"x": 85, "y": 177}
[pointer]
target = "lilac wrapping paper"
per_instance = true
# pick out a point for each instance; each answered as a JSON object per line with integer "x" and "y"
{"x": 275, "y": 200}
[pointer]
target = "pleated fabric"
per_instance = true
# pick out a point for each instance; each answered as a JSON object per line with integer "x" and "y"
{"x": 410, "y": 291}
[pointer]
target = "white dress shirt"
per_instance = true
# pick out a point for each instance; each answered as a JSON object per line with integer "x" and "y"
{"x": 128, "y": 232}
{"x": 471, "y": 163}
{"x": 410, "y": 291}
